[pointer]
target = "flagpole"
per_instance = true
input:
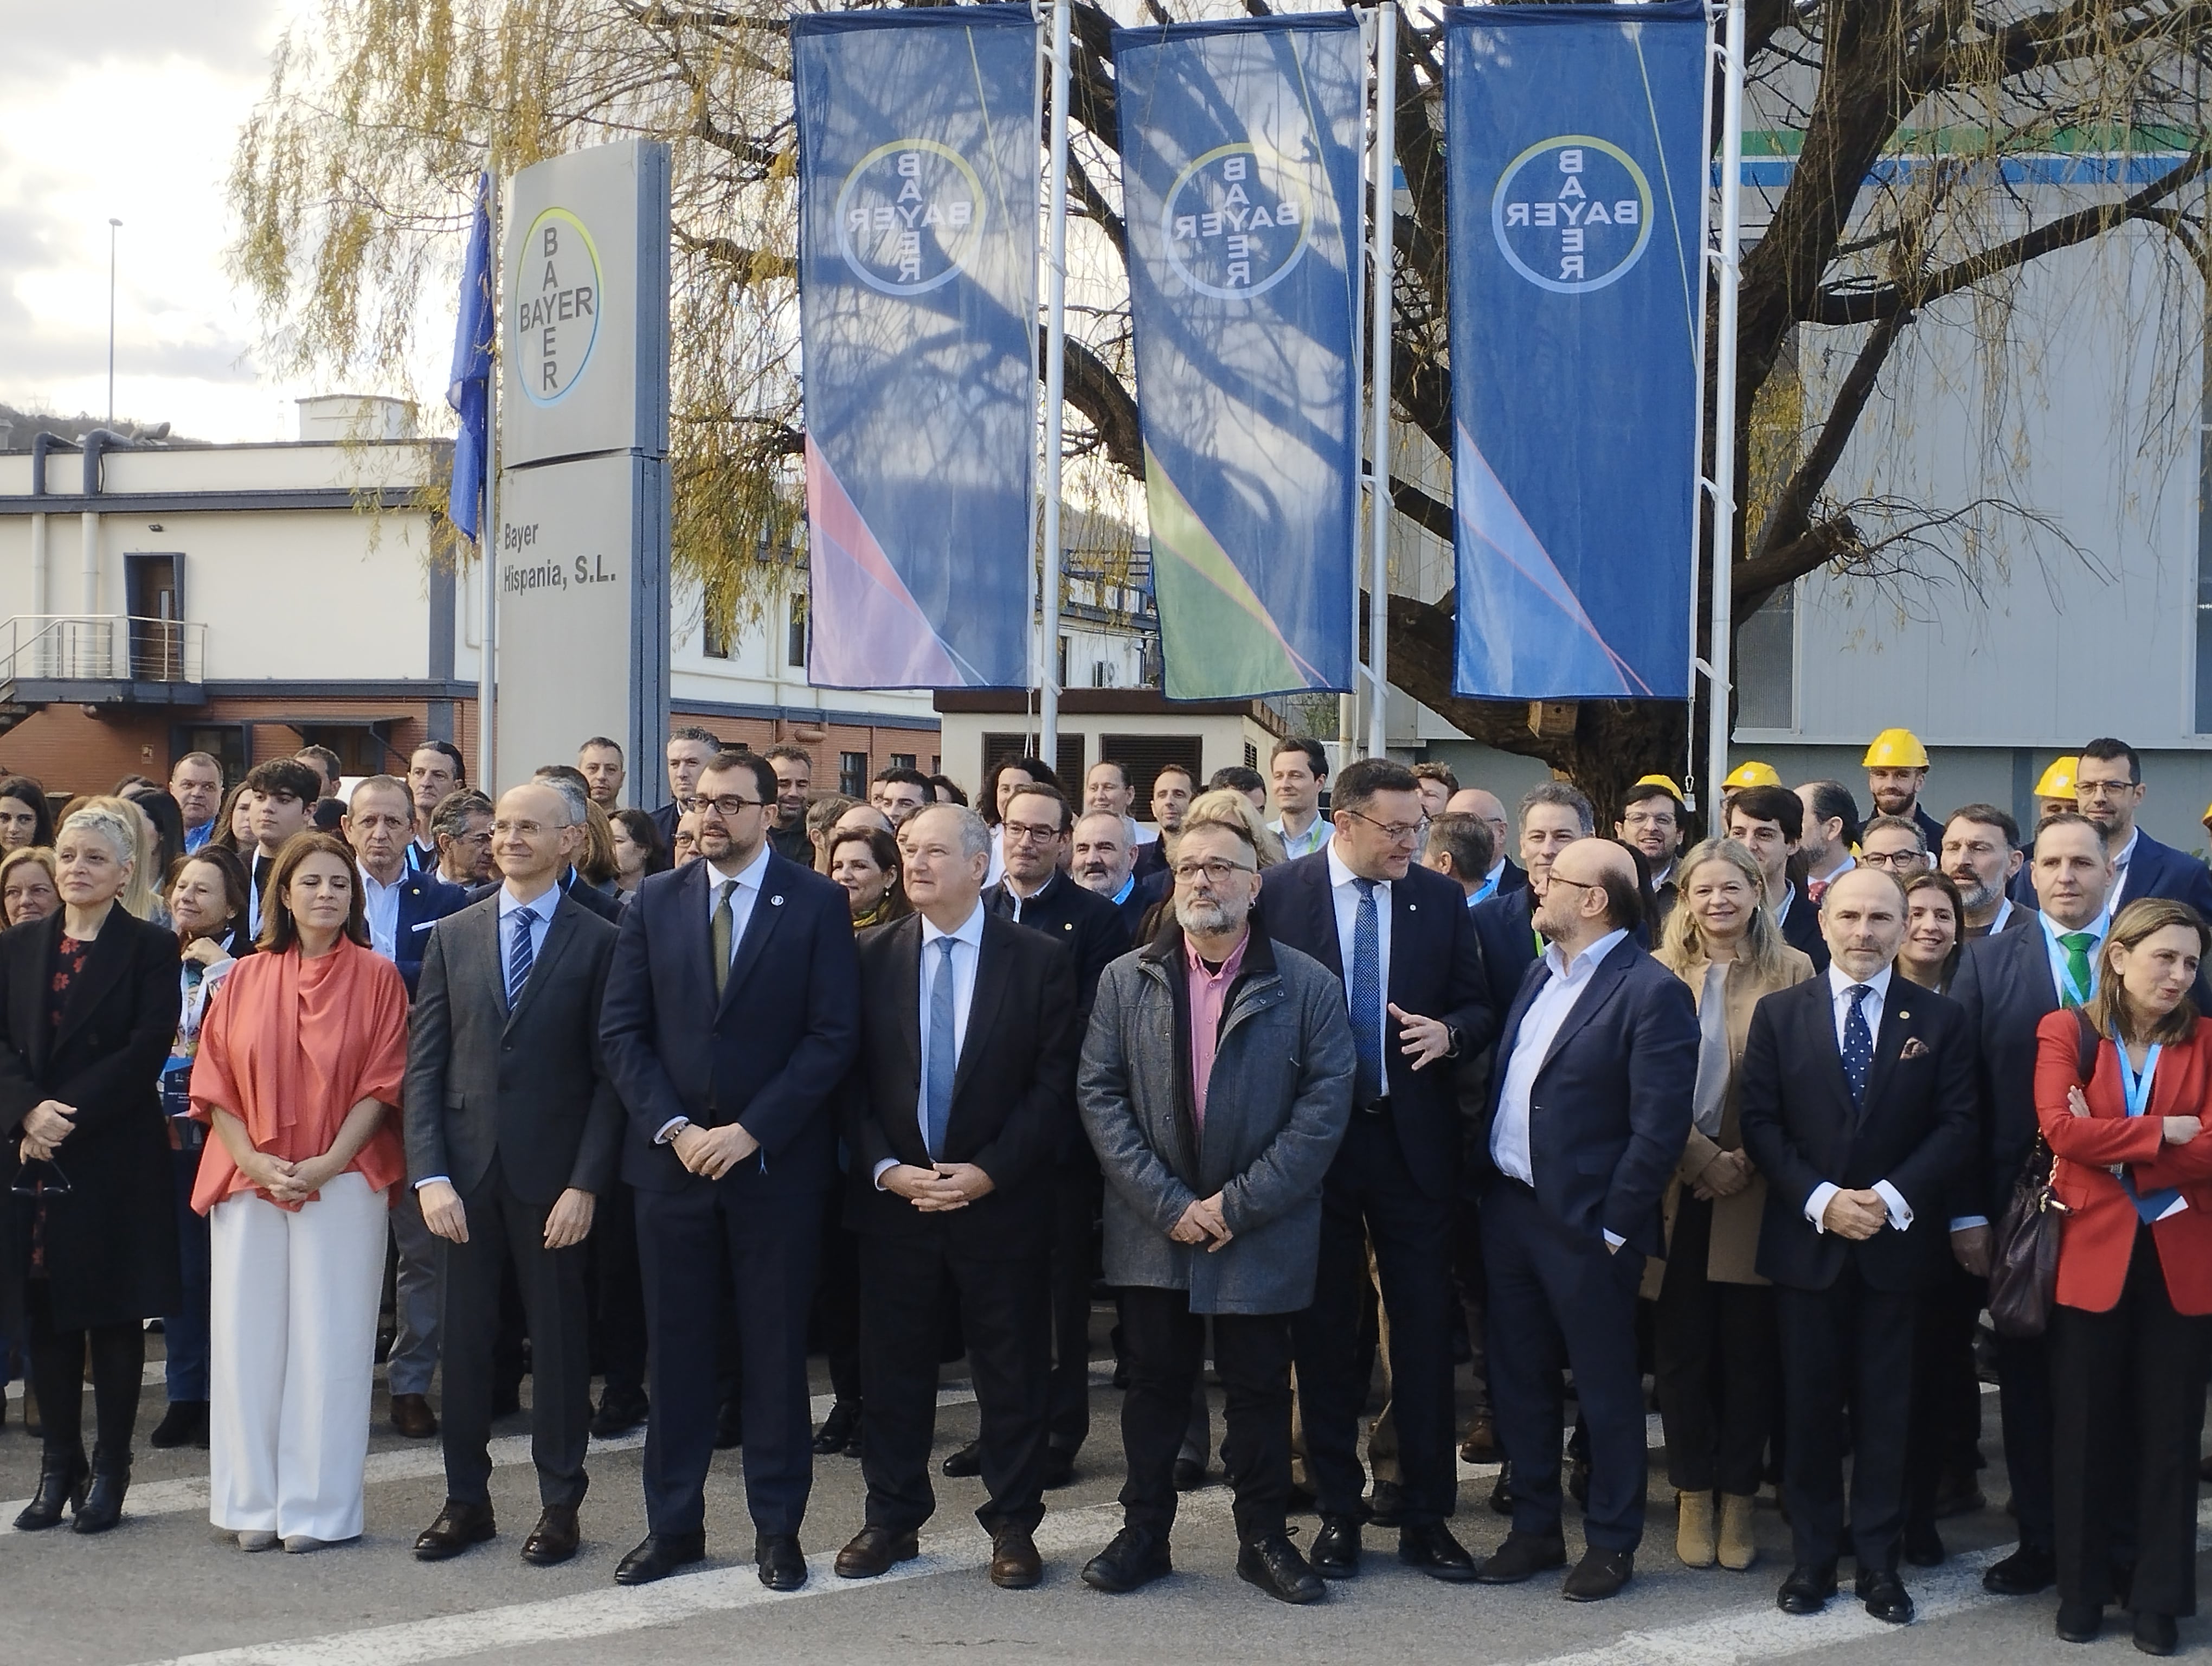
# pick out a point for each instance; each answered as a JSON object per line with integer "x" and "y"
{"x": 1055, "y": 382}
{"x": 1378, "y": 497}
{"x": 487, "y": 529}
{"x": 1350, "y": 735}
{"x": 1730, "y": 266}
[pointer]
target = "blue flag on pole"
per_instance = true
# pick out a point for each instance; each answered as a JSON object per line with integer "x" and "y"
{"x": 918, "y": 213}
{"x": 1241, "y": 171}
{"x": 468, "y": 387}
{"x": 1574, "y": 143}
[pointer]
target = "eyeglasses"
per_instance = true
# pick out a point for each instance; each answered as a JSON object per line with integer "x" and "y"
{"x": 1395, "y": 832}
{"x": 527, "y": 830}
{"x": 1029, "y": 833}
{"x": 729, "y": 808}
{"x": 1886, "y": 859}
{"x": 1216, "y": 870}
{"x": 1556, "y": 878}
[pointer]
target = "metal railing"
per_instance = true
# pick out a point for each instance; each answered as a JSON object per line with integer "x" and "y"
{"x": 100, "y": 648}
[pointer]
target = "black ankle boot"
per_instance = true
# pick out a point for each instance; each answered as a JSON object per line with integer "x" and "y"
{"x": 103, "y": 1504}
{"x": 61, "y": 1486}
{"x": 184, "y": 1424}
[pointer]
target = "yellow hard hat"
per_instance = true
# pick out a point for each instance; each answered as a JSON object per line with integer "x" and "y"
{"x": 1753, "y": 773}
{"x": 2057, "y": 781}
{"x": 1895, "y": 749}
{"x": 1667, "y": 782}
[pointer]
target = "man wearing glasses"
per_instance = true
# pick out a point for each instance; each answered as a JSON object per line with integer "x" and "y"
{"x": 1399, "y": 937}
{"x": 729, "y": 1023}
{"x": 1894, "y": 845}
{"x": 2108, "y": 788}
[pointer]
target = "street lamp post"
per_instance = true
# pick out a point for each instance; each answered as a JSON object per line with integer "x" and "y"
{"x": 112, "y": 227}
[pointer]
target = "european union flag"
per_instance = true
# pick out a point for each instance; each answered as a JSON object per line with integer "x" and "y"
{"x": 468, "y": 390}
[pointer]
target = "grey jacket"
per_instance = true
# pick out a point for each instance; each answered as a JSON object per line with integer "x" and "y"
{"x": 1277, "y": 1104}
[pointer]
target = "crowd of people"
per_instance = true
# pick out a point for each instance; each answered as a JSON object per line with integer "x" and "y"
{"x": 669, "y": 1098}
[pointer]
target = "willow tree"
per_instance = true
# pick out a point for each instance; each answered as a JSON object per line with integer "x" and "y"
{"x": 1898, "y": 118}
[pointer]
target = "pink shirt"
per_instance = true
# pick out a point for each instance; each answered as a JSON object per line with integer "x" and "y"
{"x": 1209, "y": 994}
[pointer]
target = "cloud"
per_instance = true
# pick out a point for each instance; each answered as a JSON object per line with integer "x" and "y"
{"x": 233, "y": 36}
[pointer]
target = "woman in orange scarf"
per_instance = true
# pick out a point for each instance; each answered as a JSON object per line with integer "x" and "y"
{"x": 298, "y": 1074}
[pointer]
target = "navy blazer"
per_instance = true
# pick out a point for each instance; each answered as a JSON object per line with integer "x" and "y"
{"x": 1609, "y": 1110}
{"x": 1515, "y": 878}
{"x": 1914, "y": 1129}
{"x": 2004, "y": 985}
{"x": 768, "y": 1055}
{"x": 2159, "y": 870}
{"x": 1436, "y": 971}
{"x": 1800, "y": 930}
{"x": 1088, "y": 926}
{"x": 424, "y": 899}
{"x": 1505, "y": 929}
{"x": 1147, "y": 890}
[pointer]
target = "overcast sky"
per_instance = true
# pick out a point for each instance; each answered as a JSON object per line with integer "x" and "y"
{"x": 129, "y": 110}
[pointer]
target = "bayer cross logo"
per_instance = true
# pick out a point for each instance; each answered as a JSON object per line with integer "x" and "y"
{"x": 1235, "y": 222}
{"x": 1572, "y": 214}
{"x": 909, "y": 216}
{"x": 555, "y": 294}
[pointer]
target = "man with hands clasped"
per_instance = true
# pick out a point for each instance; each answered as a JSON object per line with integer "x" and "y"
{"x": 513, "y": 1124}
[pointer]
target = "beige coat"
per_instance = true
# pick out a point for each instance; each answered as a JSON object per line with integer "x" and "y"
{"x": 1735, "y": 1253}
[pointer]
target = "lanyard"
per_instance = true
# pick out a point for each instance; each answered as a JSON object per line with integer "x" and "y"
{"x": 2066, "y": 986}
{"x": 2134, "y": 1088}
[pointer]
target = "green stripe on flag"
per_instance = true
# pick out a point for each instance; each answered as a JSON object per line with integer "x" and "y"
{"x": 1216, "y": 641}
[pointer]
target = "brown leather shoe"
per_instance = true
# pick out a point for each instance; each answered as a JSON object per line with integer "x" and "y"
{"x": 1480, "y": 1446}
{"x": 554, "y": 1540}
{"x": 1015, "y": 1564}
{"x": 412, "y": 1416}
{"x": 876, "y": 1550}
{"x": 459, "y": 1526}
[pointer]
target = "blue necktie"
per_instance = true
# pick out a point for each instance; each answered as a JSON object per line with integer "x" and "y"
{"x": 518, "y": 956}
{"x": 1858, "y": 1042}
{"x": 1366, "y": 997}
{"x": 936, "y": 1083}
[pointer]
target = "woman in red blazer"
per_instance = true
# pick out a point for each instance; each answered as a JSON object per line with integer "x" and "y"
{"x": 2131, "y": 1338}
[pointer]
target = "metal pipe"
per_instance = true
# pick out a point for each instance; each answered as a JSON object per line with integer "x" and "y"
{"x": 41, "y": 443}
{"x": 1055, "y": 384}
{"x": 96, "y": 444}
{"x": 1378, "y": 499}
{"x": 1730, "y": 262}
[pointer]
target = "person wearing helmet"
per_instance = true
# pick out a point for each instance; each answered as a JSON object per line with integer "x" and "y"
{"x": 1651, "y": 819}
{"x": 1897, "y": 768}
{"x": 1750, "y": 773}
{"x": 2055, "y": 791}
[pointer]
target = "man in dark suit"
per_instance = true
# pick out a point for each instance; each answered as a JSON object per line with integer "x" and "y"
{"x": 2007, "y": 983}
{"x": 1553, "y": 814}
{"x": 513, "y": 1127}
{"x": 963, "y": 1097}
{"x": 1857, "y": 1105}
{"x": 1399, "y": 937}
{"x": 690, "y": 748}
{"x": 1768, "y": 822}
{"x": 1589, "y": 1108}
{"x": 2108, "y": 788}
{"x": 1505, "y": 874}
{"x": 1102, "y": 859}
{"x": 1981, "y": 853}
{"x": 729, "y": 1024}
{"x": 575, "y": 796}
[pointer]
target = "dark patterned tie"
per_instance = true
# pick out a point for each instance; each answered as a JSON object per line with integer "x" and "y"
{"x": 519, "y": 957}
{"x": 1858, "y": 1042}
{"x": 1366, "y": 998}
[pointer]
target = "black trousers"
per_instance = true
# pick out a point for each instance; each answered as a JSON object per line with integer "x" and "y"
{"x": 1005, "y": 1315}
{"x": 763, "y": 1239}
{"x": 1559, "y": 1299}
{"x": 1718, "y": 1355}
{"x": 1369, "y": 1196}
{"x": 1164, "y": 1345}
{"x": 507, "y": 1237}
{"x": 1947, "y": 1394}
{"x": 57, "y": 1360}
{"x": 1078, "y": 1189}
{"x": 2139, "y": 1369}
{"x": 1849, "y": 1337}
{"x": 2024, "y": 1397}
{"x": 617, "y": 1292}
{"x": 837, "y": 1302}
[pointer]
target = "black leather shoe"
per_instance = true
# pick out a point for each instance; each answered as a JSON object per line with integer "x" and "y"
{"x": 968, "y": 1461}
{"x": 1273, "y": 1563}
{"x": 61, "y": 1483}
{"x": 875, "y": 1550}
{"x": 2023, "y": 1574}
{"x": 184, "y": 1424}
{"x": 459, "y": 1526}
{"x": 2155, "y": 1633}
{"x": 1885, "y": 1595}
{"x": 1386, "y": 1503}
{"x": 1134, "y": 1558}
{"x": 1189, "y": 1474}
{"x": 620, "y": 1411}
{"x": 1432, "y": 1548}
{"x": 2079, "y": 1622}
{"x": 1336, "y": 1548}
{"x": 1923, "y": 1546}
{"x": 1600, "y": 1574}
{"x": 837, "y": 1429}
{"x": 1501, "y": 1490}
{"x": 1522, "y": 1556}
{"x": 1808, "y": 1589}
{"x": 103, "y": 1501}
{"x": 729, "y": 1425}
{"x": 554, "y": 1539}
{"x": 659, "y": 1554}
{"x": 1059, "y": 1468}
{"x": 780, "y": 1562}
{"x": 1578, "y": 1480}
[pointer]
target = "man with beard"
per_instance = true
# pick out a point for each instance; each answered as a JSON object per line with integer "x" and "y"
{"x": 1897, "y": 768}
{"x": 1981, "y": 853}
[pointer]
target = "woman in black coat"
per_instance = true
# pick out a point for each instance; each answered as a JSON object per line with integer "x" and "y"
{"x": 89, "y": 1001}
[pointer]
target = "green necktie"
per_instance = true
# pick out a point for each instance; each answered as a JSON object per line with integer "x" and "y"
{"x": 722, "y": 923}
{"x": 2077, "y": 945}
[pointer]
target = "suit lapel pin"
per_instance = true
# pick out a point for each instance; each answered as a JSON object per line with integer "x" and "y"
{"x": 775, "y": 902}
{"x": 1902, "y": 1016}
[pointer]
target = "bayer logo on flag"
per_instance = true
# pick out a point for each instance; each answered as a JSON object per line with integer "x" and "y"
{"x": 1236, "y": 221}
{"x": 1572, "y": 214}
{"x": 909, "y": 216}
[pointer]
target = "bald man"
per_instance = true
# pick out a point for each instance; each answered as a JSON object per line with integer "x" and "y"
{"x": 1505, "y": 874}
{"x": 1605, "y": 1039}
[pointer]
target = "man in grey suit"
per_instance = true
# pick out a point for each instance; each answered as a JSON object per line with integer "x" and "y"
{"x": 514, "y": 1128}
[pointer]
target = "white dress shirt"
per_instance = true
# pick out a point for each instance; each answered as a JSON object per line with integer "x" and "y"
{"x": 1840, "y": 985}
{"x": 1540, "y": 1027}
{"x": 2120, "y": 861}
{"x": 540, "y": 909}
{"x": 741, "y": 913}
{"x": 1296, "y": 845}
{"x": 1344, "y": 892}
{"x": 967, "y": 952}
{"x": 2060, "y": 979}
{"x": 380, "y": 910}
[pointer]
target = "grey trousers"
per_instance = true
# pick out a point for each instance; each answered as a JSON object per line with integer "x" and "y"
{"x": 419, "y": 1289}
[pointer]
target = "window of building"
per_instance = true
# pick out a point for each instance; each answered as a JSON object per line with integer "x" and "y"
{"x": 1145, "y": 755}
{"x": 1251, "y": 756}
{"x": 1767, "y": 663}
{"x": 902, "y": 761}
{"x": 794, "y": 652}
{"x": 853, "y": 775}
{"x": 713, "y": 635}
{"x": 224, "y": 742}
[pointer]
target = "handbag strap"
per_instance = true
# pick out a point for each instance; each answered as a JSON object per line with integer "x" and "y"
{"x": 2085, "y": 1062}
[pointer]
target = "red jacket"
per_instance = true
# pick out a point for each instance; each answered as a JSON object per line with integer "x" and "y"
{"x": 2099, "y": 1237}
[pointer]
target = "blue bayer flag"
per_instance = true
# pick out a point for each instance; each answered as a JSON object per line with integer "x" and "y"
{"x": 1241, "y": 171}
{"x": 1574, "y": 143}
{"x": 918, "y": 171}
{"x": 468, "y": 387}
